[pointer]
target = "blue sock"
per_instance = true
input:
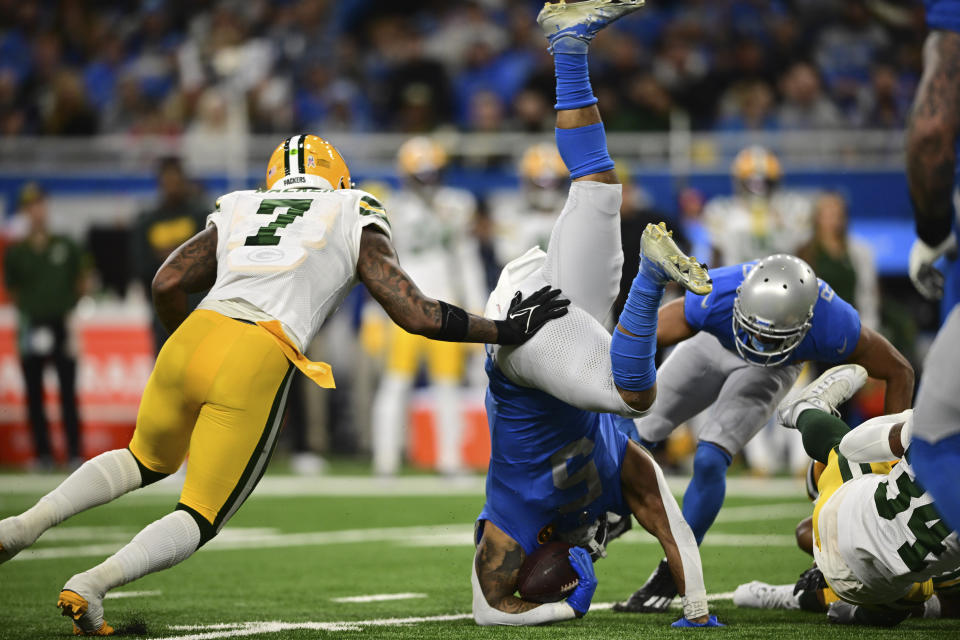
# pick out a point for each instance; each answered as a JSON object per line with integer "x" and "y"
{"x": 584, "y": 150}
{"x": 704, "y": 495}
{"x": 929, "y": 462}
{"x": 633, "y": 357}
{"x": 573, "y": 78}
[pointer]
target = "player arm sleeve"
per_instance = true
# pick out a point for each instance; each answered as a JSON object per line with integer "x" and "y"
{"x": 485, "y": 615}
{"x": 870, "y": 442}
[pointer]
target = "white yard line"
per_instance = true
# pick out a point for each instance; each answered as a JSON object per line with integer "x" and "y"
{"x": 131, "y": 594}
{"x": 239, "y": 629}
{"x": 367, "y": 486}
{"x": 379, "y": 597}
{"x": 456, "y": 535}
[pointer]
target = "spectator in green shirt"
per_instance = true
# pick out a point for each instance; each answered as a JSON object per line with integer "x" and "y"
{"x": 44, "y": 274}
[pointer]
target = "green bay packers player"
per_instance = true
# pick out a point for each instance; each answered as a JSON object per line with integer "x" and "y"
{"x": 878, "y": 537}
{"x": 276, "y": 262}
{"x": 433, "y": 236}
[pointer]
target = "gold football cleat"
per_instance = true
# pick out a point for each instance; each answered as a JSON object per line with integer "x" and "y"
{"x": 657, "y": 246}
{"x": 75, "y": 606}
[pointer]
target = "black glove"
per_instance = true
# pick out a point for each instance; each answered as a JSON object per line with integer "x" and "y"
{"x": 526, "y": 316}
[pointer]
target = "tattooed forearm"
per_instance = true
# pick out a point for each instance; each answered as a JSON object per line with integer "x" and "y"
{"x": 379, "y": 269}
{"x": 191, "y": 268}
{"x": 931, "y": 131}
{"x": 498, "y": 565}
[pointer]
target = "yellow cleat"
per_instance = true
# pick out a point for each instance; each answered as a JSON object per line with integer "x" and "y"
{"x": 76, "y": 607}
{"x": 663, "y": 260}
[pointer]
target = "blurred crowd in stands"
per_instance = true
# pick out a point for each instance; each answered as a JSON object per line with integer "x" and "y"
{"x": 82, "y": 67}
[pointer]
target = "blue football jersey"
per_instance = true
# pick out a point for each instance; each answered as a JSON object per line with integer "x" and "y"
{"x": 553, "y": 467}
{"x": 834, "y": 331}
{"x": 943, "y": 14}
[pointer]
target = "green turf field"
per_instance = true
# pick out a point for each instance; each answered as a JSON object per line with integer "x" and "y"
{"x": 278, "y": 570}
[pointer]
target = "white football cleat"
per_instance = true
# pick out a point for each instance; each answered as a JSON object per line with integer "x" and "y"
{"x": 83, "y": 603}
{"x": 834, "y": 387}
{"x": 760, "y": 595}
{"x": 582, "y": 20}
{"x": 662, "y": 260}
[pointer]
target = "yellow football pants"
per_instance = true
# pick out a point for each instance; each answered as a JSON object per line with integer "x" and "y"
{"x": 218, "y": 391}
{"x": 445, "y": 360}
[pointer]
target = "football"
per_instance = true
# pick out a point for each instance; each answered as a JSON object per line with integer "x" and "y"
{"x": 546, "y": 574}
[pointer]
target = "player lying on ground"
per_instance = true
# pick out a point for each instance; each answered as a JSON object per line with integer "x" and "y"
{"x": 740, "y": 349}
{"x": 277, "y": 263}
{"x": 931, "y": 146}
{"x": 556, "y": 466}
{"x": 879, "y": 540}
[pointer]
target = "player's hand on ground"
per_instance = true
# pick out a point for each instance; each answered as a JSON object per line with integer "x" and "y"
{"x": 927, "y": 279}
{"x": 527, "y": 315}
{"x": 711, "y": 622}
{"x": 841, "y": 612}
{"x": 580, "y": 599}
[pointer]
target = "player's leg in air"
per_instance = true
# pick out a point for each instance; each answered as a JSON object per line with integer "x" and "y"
{"x": 223, "y": 404}
{"x": 584, "y": 255}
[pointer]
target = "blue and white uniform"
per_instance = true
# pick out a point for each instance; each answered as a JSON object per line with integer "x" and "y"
{"x": 553, "y": 468}
{"x": 936, "y": 418}
{"x": 706, "y": 370}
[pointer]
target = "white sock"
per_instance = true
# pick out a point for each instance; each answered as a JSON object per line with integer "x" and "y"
{"x": 162, "y": 544}
{"x": 449, "y": 426}
{"x": 96, "y": 482}
{"x": 389, "y": 418}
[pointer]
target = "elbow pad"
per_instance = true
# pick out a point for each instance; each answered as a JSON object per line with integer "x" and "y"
{"x": 870, "y": 442}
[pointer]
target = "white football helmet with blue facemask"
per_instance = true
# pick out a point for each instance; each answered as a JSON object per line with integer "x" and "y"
{"x": 773, "y": 309}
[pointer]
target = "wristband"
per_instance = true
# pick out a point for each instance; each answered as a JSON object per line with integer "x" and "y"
{"x": 453, "y": 323}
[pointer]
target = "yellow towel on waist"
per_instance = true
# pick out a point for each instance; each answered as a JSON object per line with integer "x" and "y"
{"x": 319, "y": 372}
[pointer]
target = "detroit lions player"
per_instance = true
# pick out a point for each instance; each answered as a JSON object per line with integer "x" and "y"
{"x": 931, "y": 173}
{"x": 558, "y": 464}
{"x": 741, "y": 349}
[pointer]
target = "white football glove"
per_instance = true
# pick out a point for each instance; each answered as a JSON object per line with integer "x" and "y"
{"x": 926, "y": 278}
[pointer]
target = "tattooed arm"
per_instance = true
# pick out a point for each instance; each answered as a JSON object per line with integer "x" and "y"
{"x": 931, "y": 132}
{"x": 191, "y": 268}
{"x": 495, "y": 570}
{"x": 379, "y": 269}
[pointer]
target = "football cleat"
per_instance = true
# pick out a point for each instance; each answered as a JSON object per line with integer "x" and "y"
{"x": 582, "y": 20}
{"x": 84, "y": 606}
{"x": 654, "y": 596}
{"x": 760, "y": 595}
{"x": 834, "y": 387}
{"x": 662, "y": 260}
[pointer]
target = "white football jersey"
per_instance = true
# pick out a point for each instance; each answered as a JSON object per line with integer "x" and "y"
{"x": 434, "y": 242}
{"x": 890, "y": 532}
{"x": 745, "y": 229}
{"x": 289, "y": 253}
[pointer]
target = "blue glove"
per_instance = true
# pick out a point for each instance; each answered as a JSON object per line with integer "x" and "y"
{"x": 711, "y": 622}
{"x": 580, "y": 599}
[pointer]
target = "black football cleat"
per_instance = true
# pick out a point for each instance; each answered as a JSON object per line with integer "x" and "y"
{"x": 654, "y": 596}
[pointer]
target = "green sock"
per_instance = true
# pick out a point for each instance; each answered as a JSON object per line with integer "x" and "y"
{"x": 821, "y": 432}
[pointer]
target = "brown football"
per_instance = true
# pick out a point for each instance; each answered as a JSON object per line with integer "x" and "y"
{"x": 546, "y": 574}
